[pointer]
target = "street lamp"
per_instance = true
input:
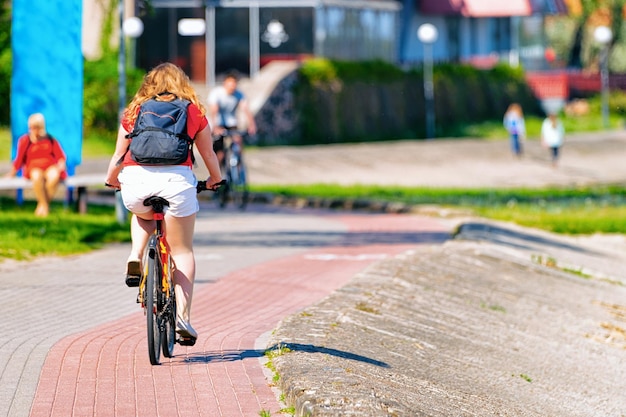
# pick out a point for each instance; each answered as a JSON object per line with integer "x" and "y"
{"x": 603, "y": 35}
{"x": 427, "y": 34}
{"x": 275, "y": 34}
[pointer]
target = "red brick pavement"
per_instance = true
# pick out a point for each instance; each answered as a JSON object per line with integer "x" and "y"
{"x": 106, "y": 372}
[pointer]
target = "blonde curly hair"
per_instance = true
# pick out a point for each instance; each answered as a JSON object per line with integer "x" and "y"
{"x": 162, "y": 79}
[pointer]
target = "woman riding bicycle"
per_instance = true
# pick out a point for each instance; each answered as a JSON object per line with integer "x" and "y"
{"x": 176, "y": 183}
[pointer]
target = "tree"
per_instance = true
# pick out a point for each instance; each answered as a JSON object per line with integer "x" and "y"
{"x": 589, "y": 14}
{"x": 5, "y": 59}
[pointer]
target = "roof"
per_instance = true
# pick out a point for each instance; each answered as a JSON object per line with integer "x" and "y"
{"x": 354, "y": 4}
{"x": 491, "y": 8}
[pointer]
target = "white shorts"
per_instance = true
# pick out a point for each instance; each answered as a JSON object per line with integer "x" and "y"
{"x": 176, "y": 184}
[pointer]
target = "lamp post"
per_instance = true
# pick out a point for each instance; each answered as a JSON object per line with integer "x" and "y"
{"x": 133, "y": 27}
{"x": 603, "y": 35}
{"x": 210, "y": 46}
{"x": 427, "y": 34}
{"x": 255, "y": 45}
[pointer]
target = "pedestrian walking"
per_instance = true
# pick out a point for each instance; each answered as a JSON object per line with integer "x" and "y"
{"x": 516, "y": 128}
{"x": 552, "y": 136}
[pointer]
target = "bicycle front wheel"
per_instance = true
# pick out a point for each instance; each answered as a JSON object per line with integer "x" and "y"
{"x": 239, "y": 186}
{"x": 223, "y": 192}
{"x": 152, "y": 294}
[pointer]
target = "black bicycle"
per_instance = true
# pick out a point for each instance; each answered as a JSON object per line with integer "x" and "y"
{"x": 234, "y": 170}
{"x": 156, "y": 289}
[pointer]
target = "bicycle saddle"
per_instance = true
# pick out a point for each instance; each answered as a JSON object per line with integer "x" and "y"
{"x": 157, "y": 203}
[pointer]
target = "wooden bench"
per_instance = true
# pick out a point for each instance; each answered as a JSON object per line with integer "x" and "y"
{"x": 77, "y": 184}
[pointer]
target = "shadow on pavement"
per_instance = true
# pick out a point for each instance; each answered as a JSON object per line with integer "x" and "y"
{"x": 236, "y": 355}
{"x": 507, "y": 236}
{"x": 318, "y": 239}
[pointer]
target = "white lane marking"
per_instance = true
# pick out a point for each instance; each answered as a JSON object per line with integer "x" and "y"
{"x": 209, "y": 256}
{"x": 338, "y": 257}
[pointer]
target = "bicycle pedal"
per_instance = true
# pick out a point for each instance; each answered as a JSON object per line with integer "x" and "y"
{"x": 186, "y": 341}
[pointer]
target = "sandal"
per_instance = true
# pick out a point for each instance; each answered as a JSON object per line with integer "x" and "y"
{"x": 133, "y": 273}
{"x": 187, "y": 335}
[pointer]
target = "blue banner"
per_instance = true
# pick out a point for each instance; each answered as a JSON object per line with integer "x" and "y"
{"x": 48, "y": 71}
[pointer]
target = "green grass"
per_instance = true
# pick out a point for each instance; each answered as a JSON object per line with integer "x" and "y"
{"x": 566, "y": 219}
{"x": 5, "y": 144}
{"x": 24, "y": 236}
{"x": 583, "y": 210}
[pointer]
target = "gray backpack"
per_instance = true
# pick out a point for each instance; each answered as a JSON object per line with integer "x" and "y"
{"x": 160, "y": 133}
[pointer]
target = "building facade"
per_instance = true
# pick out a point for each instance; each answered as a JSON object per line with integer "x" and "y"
{"x": 282, "y": 29}
{"x": 480, "y": 32}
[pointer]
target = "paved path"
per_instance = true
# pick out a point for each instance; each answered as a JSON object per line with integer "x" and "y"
{"x": 75, "y": 343}
{"x": 85, "y": 353}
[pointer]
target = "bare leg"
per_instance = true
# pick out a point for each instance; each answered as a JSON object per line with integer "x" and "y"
{"x": 140, "y": 231}
{"x": 37, "y": 177}
{"x": 180, "y": 239}
{"x": 52, "y": 178}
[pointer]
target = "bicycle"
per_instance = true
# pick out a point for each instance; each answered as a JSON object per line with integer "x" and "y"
{"x": 234, "y": 170}
{"x": 156, "y": 289}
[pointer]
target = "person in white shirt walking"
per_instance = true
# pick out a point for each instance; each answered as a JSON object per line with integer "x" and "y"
{"x": 552, "y": 136}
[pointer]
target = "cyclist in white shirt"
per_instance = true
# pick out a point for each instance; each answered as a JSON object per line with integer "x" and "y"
{"x": 224, "y": 103}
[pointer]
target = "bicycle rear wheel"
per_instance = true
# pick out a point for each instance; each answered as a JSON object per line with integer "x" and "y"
{"x": 168, "y": 322}
{"x": 152, "y": 294}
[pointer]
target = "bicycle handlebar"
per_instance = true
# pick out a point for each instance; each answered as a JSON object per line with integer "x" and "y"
{"x": 215, "y": 187}
{"x": 199, "y": 188}
{"x": 230, "y": 133}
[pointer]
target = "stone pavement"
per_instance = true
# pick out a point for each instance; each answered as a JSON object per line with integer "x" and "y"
{"x": 501, "y": 320}
{"x": 482, "y": 325}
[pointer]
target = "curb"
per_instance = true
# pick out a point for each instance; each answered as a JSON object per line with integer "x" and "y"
{"x": 331, "y": 203}
{"x": 339, "y": 204}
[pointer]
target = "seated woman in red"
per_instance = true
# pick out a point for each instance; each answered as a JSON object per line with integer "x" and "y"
{"x": 42, "y": 160}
